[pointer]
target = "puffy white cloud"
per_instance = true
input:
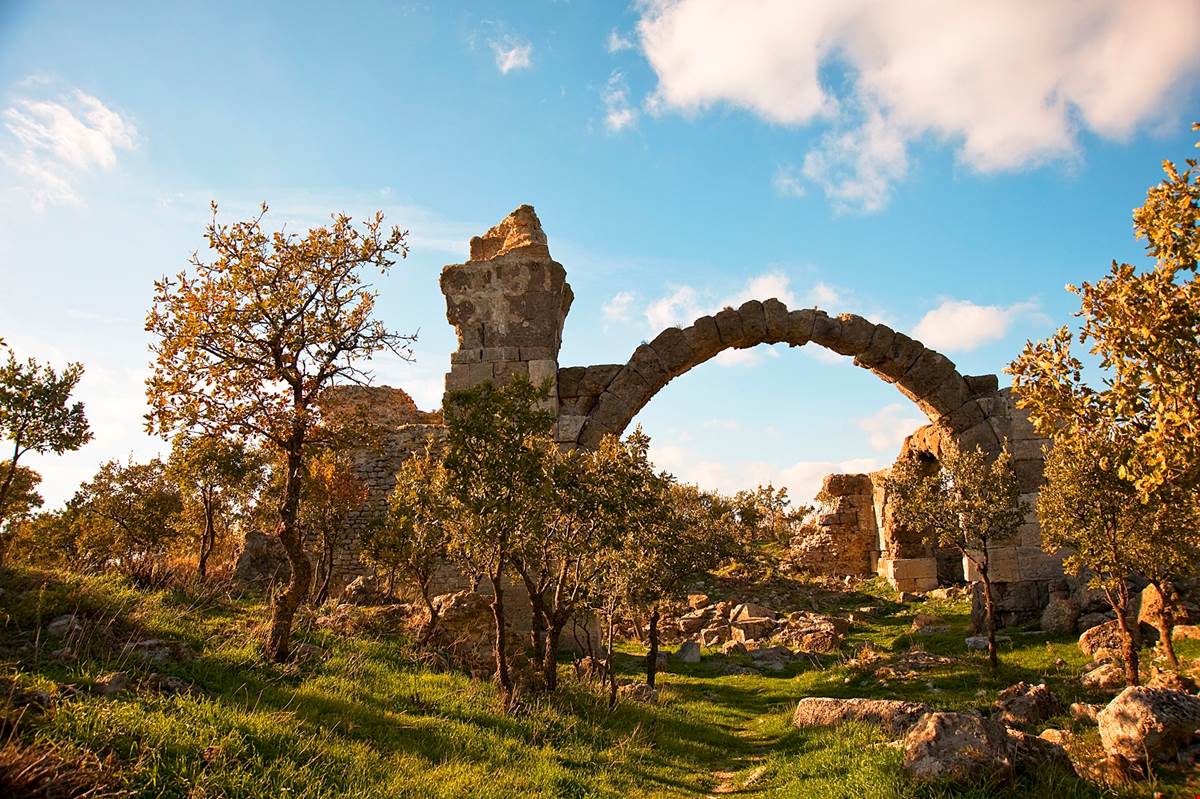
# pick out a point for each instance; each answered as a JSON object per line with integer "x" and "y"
{"x": 512, "y": 54}
{"x": 52, "y": 144}
{"x": 618, "y": 113}
{"x": 1010, "y": 83}
{"x": 887, "y": 428}
{"x": 961, "y": 325}
{"x": 619, "y": 308}
{"x": 788, "y": 181}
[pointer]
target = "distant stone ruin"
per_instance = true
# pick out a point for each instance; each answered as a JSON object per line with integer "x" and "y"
{"x": 508, "y": 304}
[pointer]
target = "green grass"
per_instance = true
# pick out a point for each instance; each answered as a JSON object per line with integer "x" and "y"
{"x": 365, "y": 720}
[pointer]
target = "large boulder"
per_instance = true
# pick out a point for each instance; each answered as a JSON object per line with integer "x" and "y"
{"x": 1107, "y": 636}
{"x": 1060, "y": 616}
{"x": 1148, "y": 724}
{"x": 261, "y": 562}
{"x": 1023, "y": 704}
{"x": 752, "y": 628}
{"x": 1104, "y": 677}
{"x": 894, "y": 716}
{"x": 688, "y": 652}
{"x": 466, "y": 632}
{"x": 363, "y": 590}
{"x": 749, "y": 610}
{"x": 946, "y": 746}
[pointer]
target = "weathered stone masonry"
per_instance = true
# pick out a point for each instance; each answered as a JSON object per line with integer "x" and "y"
{"x": 508, "y": 304}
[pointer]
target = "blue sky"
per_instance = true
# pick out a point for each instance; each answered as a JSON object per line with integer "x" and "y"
{"x": 943, "y": 167}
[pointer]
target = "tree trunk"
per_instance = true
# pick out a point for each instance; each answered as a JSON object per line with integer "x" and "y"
{"x": 325, "y": 568}
{"x": 501, "y": 646}
{"x": 609, "y": 671}
{"x": 989, "y": 612}
{"x": 652, "y": 652}
{"x": 1128, "y": 644}
{"x": 550, "y": 655}
{"x": 1164, "y": 623}
{"x": 432, "y": 624}
{"x": 207, "y": 540}
{"x": 279, "y": 638}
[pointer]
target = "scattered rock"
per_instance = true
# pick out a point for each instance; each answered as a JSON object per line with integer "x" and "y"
{"x": 1148, "y": 723}
{"x": 112, "y": 684}
{"x": 1023, "y": 704}
{"x": 697, "y": 601}
{"x": 1185, "y": 632}
{"x": 64, "y": 626}
{"x": 262, "y": 561}
{"x": 1105, "y": 677}
{"x": 694, "y": 621}
{"x": 156, "y": 650}
{"x": 1055, "y": 736}
{"x": 734, "y": 648}
{"x": 738, "y": 670}
{"x": 362, "y": 590}
{"x": 749, "y": 610}
{"x": 638, "y": 692}
{"x": 979, "y": 643}
{"x": 956, "y": 746}
{"x": 1084, "y": 712}
{"x": 750, "y": 629}
{"x": 1108, "y": 636}
{"x": 715, "y": 635}
{"x": 167, "y": 684}
{"x": 1170, "y": 680}
{"x": 907, "y": 598}
{"x": 894, "y": 716}
{"x": 1031, "y": 752}
{"x": 1060, "y": 616}
{"x": 951, "y": 593}
{"x": 688, "y": 652}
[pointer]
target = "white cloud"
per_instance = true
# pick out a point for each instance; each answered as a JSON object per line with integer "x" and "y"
{"x": 52, "y": 144}
{"x": 824, "y": 294}
{"x": 684, "y": 304}
{"x": 512, "y": 54}
{"x": 1009, "y": 83}
{"x": 618, "y": 41}
{"x": 618, "y": 309}
{"x": 887, "y": 428}
{"x": 961, "y": 325}
{"x": 787, "y": 181}
{"x": 618, "y": 113}
{"x": 680, "y": 307}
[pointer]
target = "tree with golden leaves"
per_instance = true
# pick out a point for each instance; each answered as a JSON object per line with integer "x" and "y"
{"x": 245, "y": 345}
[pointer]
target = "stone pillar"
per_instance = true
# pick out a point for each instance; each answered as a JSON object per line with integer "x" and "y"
{"x": 507, "y": 305}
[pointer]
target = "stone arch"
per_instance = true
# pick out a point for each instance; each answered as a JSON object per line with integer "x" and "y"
{"x": 597, "y": 400}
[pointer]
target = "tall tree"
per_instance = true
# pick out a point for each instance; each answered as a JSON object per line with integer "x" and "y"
{"x": 36, "y": 415}
{"x": 245, "y": 346}
{"x": 128, "y": 515}
{"x": 414, "y": 537}
{"x": 215, "y": 474}
{"x": 970, "y": 504}
{"x": 496, "y": 437}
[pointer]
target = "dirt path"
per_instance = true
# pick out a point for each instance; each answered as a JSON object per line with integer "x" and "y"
{"x": 728, "y": 781}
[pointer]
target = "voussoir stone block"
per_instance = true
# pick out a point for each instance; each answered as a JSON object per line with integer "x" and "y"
{"x": 855, "y": 335}
{"x": 927, "y": 371}
{"x": 982, "y": 385}
{"x": 597, "y": 378}
{"x": 754, "y": 323}
{"x": 569, "y": 379}
{"x": 826, "y": 330}
{"x": 800, "y": 326}
{"x": 729, "y": 324}
{"x": 901, "y": 353}
{"x": 877, "y": 348}
{"x": 703, "y": 338}
{"x": 674, "y": 353}
{"x": 776, "y": 315}
{"x": 611, "y": 413}
{"x": 646, "y": 362}
{"x": 633, "y": 391}
{"x": 949, "y": 395}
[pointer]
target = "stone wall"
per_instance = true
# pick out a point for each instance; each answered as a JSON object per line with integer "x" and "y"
{"x": 845, "y": 537}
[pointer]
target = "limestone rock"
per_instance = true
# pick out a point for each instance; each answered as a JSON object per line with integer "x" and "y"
{"x": 734, "y": 648}
{"x": 64, "y": 626}
{"x": 1060, "y": 616}
{"x": 1148, "y": 723}
{"x": 1084, "y": 712}
{"x": 1032, "y": 752}
{"x": 112, "y": 684}
{"x": 979, "y": 643}
{"x": 520, "y": 230}
{"x": 697, "y": 601}
{"x": 262, "y": 561}
{"x": 1105, "y": 677}
{"x": 715, "y": 635}
{"x": 1108, "y": 636}
{"x": 956, "y": 746}
{"x": 363, "y": 590}
{"x": 158, "y": 651}
{"x": 749, "y": 610}
{"x": 1055, "y": 736}
{"x": 1023, "y": 704}
{"x": 688, "y": 652}
{"x": 894, "y": 716}
{"x": 751, "y": 629}
{"x": 638, "y": 692}
{"x": 1171, "y": 680}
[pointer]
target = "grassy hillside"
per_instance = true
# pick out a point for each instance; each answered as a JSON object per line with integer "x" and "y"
{"x": 359, "y": 716}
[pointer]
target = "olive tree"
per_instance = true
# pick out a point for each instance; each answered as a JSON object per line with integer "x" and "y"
{"x": 970, "y": 504}
{"x": 36, "y": 415}
{"x": 495, "y": 452}
{"x": 245, "y": 345}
